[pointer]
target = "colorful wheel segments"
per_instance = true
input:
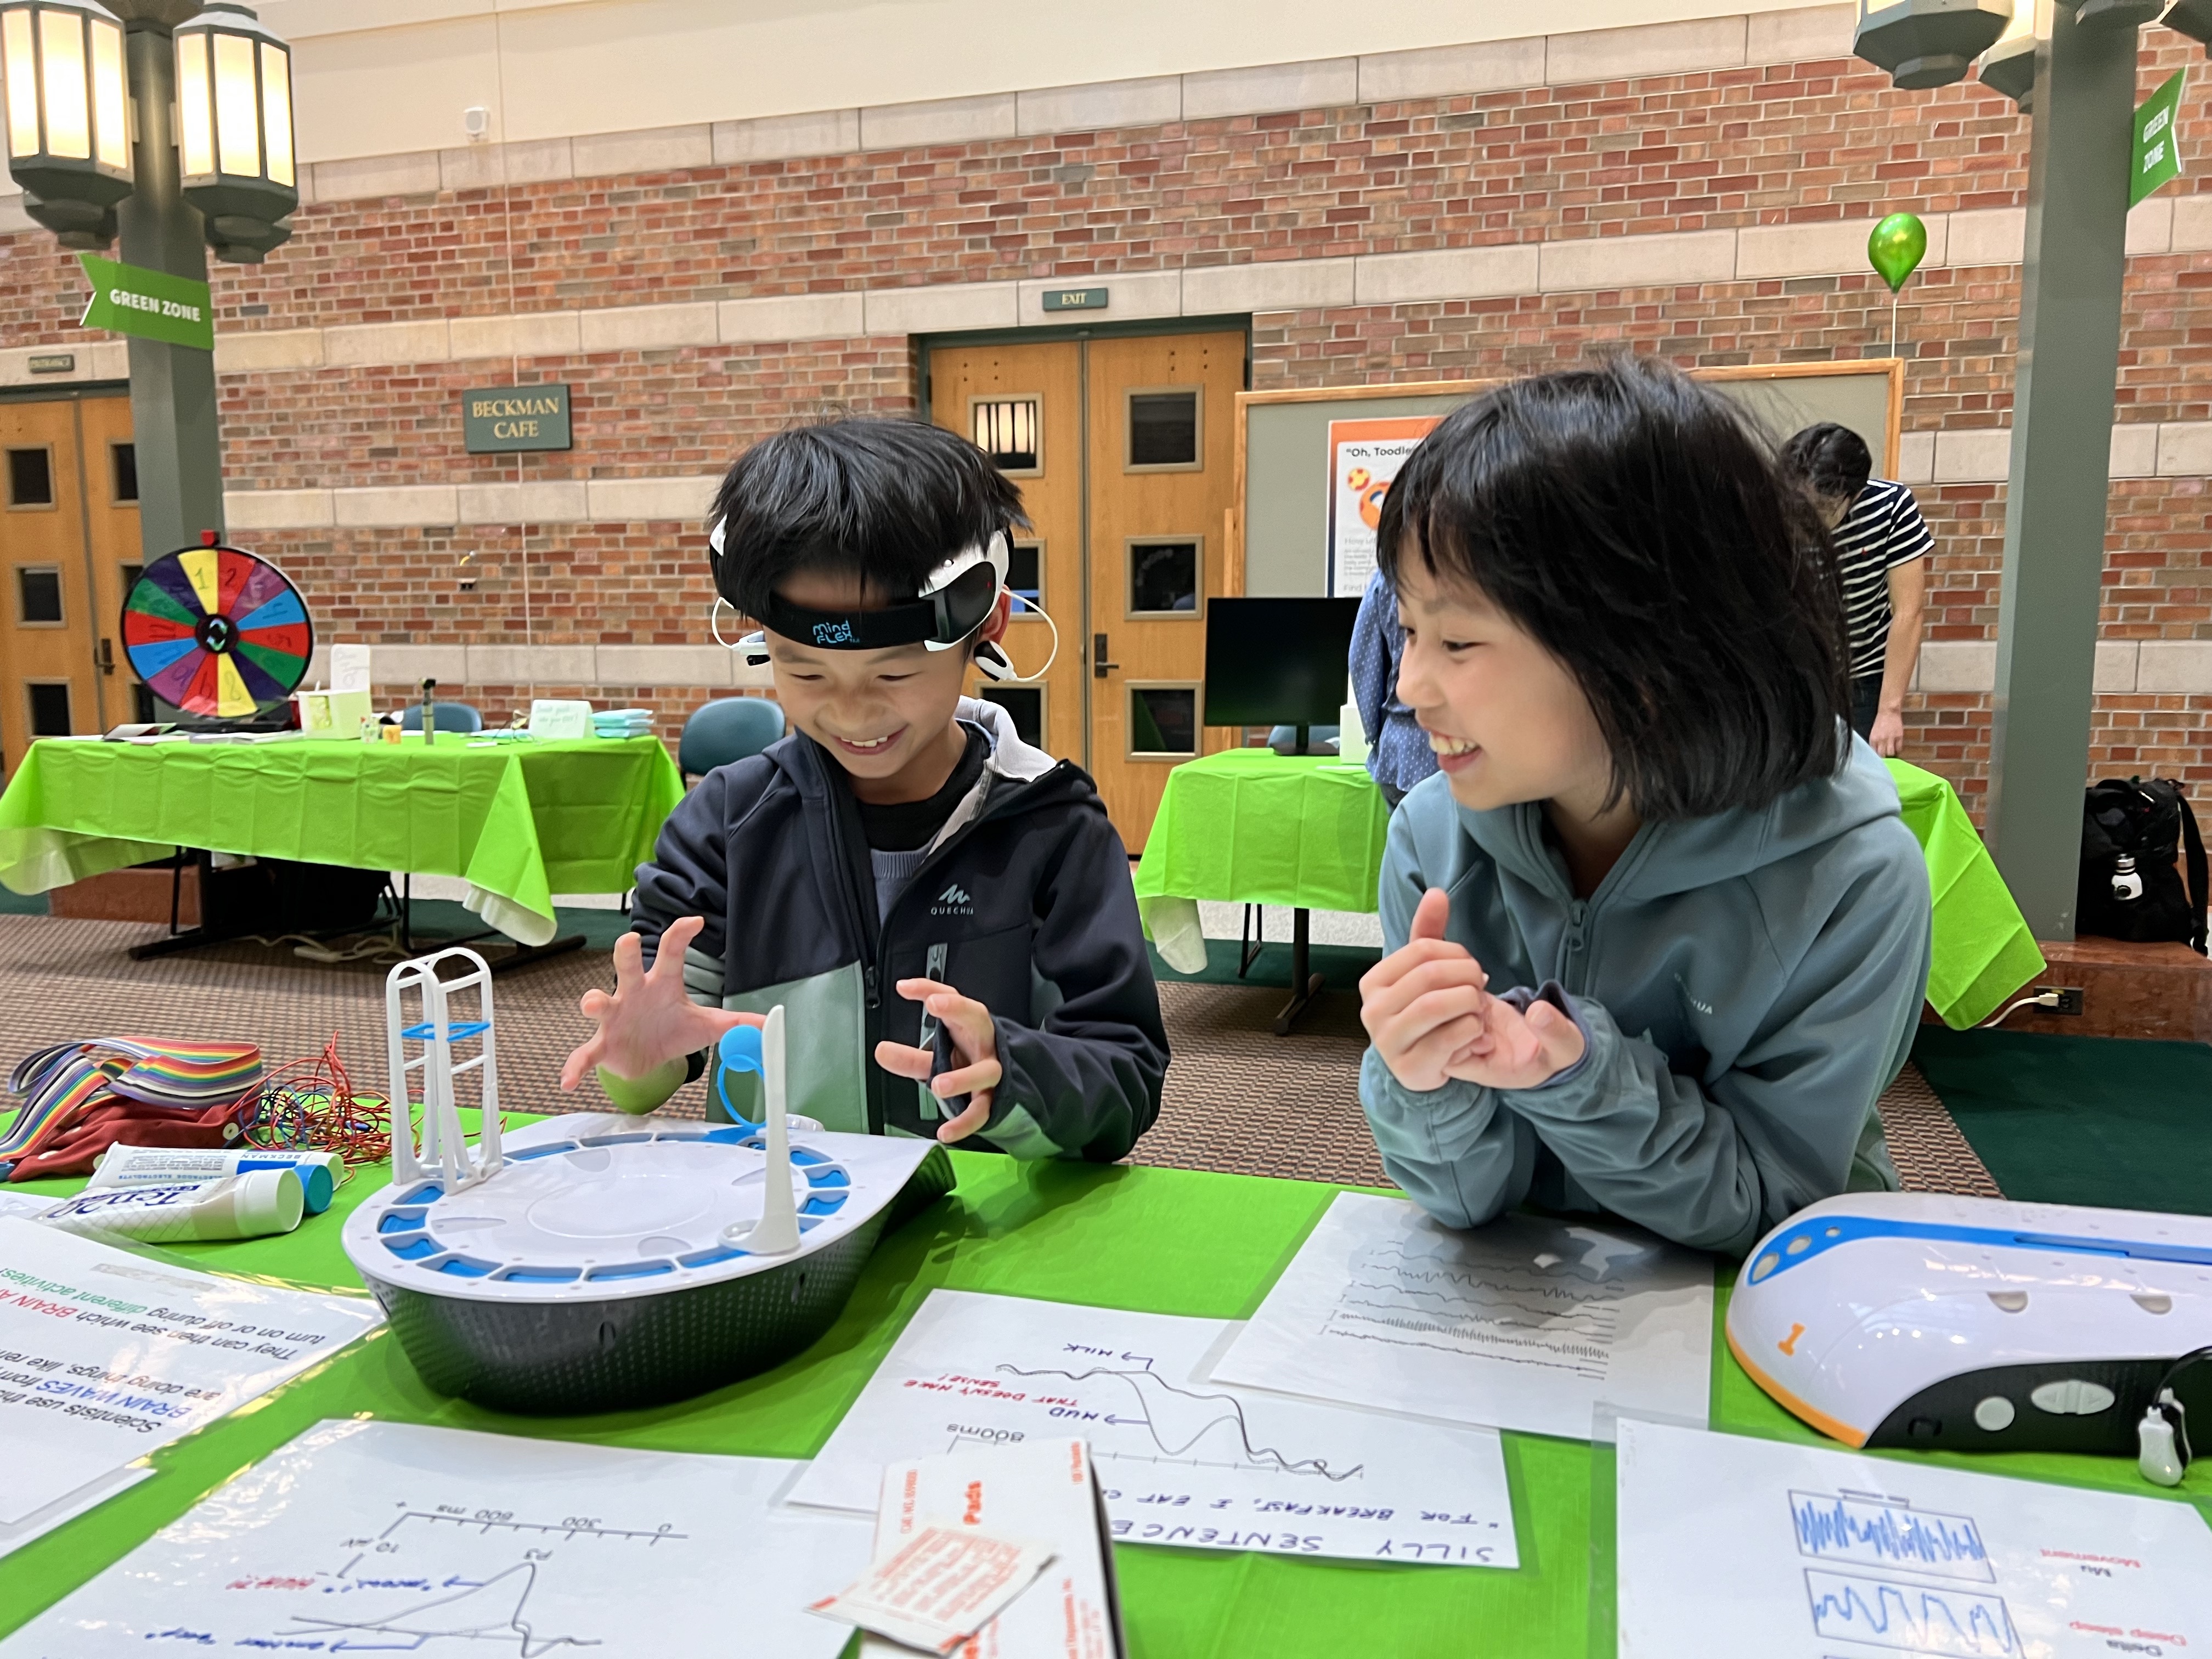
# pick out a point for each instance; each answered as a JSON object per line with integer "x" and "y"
{"x": 215, "y": 631}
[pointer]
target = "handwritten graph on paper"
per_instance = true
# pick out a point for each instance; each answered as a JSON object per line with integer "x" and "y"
{"x": 1523, "y": 1323}
{"x": 385, "y": 1538}
{"x": 1735, "y": 1547}
{"x": 1881, "y": 1532}
{"x": 1183, "y": 1461}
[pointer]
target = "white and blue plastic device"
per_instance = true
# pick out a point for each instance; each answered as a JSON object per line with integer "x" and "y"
{"x": 593, "y": 1260}
{"x": 1969, "y": 1324}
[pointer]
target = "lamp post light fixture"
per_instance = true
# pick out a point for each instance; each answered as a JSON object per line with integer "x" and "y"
{"x": 165, "y": 125}
{"x": 68, "y": 115}
{"x": 2009, "y": 67}
{"x": 2072, "y": 66}
{"x": 1928, "y": 43}
{"x": 234, "y": 131}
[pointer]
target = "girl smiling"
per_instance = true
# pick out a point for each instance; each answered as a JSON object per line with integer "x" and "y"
{"x": 1625, "y": 640}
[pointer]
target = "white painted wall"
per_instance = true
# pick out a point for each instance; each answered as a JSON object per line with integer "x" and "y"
{"x": 379, "y": 77}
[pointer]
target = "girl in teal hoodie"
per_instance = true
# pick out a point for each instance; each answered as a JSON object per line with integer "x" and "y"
{"x": 1625, "y": 640}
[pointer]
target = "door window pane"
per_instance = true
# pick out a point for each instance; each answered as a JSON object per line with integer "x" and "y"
{"x": 1025, "y": 575}
{"x": 30, "y": 477}
{"x": 1163, "y": 577}
{"x": 123, "y": 472}
{"x": 1162, "y": 719}
{"x": 38, "y": 594}
{"x": 50, "y": 711}
{"x": 1026, "y": 704}
{"x": 1005, "y": 429}
{"x": 1163, "y": 427}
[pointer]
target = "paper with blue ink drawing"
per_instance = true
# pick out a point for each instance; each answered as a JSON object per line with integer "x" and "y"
{"x": 363, "y": 1537}
{"x": 1182, "y": 1463}
{"x": 1546, "y": 1326}
{"x": 1733, "y": 1546}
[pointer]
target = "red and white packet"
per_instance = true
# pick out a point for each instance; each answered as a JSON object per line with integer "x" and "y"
{"x": 1039, "y": 1490}
{"x": 944, "y": 1584}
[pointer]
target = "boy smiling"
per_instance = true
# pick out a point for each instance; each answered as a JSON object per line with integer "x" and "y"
{"x": 944, "y": 910}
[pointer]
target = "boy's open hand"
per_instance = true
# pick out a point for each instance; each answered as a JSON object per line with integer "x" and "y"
{"x": 648, "y": 1021}
{"x": 1428, "y": 1010}
{"x": 974, "y": 1042}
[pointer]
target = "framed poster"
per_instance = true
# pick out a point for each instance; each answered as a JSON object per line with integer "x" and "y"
{"x": 1364, "y": 459}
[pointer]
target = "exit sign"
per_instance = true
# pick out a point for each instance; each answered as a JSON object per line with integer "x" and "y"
{"x": 1075, "y": 299}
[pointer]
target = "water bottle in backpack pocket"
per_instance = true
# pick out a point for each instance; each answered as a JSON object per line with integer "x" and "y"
{"x": 2131, "y": 833}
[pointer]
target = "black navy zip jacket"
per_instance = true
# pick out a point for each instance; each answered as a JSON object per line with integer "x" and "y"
{"x": 1023, "y": 902}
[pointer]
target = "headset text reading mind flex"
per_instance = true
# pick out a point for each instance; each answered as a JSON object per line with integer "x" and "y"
{"x": 954, "y": 600}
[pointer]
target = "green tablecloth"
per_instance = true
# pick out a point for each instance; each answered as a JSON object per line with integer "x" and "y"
{"x": 1258, "y": 828}
{"x": 1253, "y": 827}
{"x": 519, "y": 820}
{"x": 1983, "y": 951}
{"x": 1064, "y": 1232}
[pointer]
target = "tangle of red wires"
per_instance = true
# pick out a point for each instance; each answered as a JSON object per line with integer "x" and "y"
{"x": 310, "y": 1105}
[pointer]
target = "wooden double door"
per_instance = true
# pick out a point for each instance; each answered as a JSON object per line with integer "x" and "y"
{"x": 68, "y": 550}
{"x": 1122, "y": 448}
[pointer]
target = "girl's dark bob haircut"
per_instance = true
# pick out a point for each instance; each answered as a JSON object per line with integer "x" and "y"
{"x": 883, "y": 500}
{"x": 1636, "y": 526}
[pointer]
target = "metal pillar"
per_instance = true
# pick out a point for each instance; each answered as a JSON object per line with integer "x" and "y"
{"x": 173, "y": 405}
{"x": 2055, "y": 500}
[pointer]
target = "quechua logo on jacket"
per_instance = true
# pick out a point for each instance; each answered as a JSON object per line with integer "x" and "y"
{"x": 954, "y": 900}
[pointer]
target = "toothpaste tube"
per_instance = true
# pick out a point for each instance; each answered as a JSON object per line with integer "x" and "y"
{"x": 248, "y": 1206}
{"x": 169, "y": 1166}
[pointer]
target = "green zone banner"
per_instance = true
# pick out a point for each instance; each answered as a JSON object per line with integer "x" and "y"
{"x": 2157, "y": 156}
{"x": 150, "y": 304}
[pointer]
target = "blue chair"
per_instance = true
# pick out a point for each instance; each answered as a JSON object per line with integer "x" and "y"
{"x": 445, "y": 717}
{"x": 726, "y": 730}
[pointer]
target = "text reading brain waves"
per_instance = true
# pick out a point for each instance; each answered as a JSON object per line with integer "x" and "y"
{"x": 1875, "y": 1533}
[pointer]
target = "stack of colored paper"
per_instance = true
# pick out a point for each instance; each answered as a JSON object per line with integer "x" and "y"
{"x": 622, "y": 723}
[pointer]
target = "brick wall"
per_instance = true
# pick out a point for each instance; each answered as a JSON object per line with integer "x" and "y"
{"x": 1806, "y": 144}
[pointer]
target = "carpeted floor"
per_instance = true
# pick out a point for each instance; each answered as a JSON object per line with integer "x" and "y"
{"x": 2119, "y": 1122}
{"x": 1238, "y": 1097}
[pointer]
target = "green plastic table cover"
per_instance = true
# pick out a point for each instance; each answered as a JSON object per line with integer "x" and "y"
{"x": 520, "y": 820}
{"x": 1983, "y": 951}
{"x": 1253, "y": 827}
{"x": 1166, "y": 1241}
{"x": 1260, "y": 827}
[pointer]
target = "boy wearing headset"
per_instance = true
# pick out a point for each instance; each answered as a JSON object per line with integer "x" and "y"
{"x": 944, "y": 911}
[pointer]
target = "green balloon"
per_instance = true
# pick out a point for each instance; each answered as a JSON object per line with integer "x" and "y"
{"x": 1897, "y": 248}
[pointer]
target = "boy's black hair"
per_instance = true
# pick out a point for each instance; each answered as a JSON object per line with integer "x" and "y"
{"x": 885, "y": 500}
{"x": 1634, "y": 524}
{"x": 1832, "y": 461}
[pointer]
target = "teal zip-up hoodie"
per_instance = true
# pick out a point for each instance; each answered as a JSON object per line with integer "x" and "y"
{"x": 1748, "y": 984}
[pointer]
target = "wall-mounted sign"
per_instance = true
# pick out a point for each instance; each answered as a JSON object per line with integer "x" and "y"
{"x": 2157, "y": 156}
{"x": 53, "y": 362}
{"x": 150, "y": 304}
{"x": 1075, "y": 299}
{"x": 508, "y": 417}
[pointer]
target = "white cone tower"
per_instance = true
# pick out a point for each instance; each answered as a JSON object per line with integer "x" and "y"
{"x": 776, "y": 1233}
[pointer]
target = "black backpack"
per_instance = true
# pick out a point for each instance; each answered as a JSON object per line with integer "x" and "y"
{"x": 2129, "y": 890}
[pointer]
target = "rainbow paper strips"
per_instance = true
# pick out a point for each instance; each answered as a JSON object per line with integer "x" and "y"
{"x": 79, "y": 1097}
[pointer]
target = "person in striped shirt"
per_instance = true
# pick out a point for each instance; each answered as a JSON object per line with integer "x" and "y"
{"x": 1881, "y": 543}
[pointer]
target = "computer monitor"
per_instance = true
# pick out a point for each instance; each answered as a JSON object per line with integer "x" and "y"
{"x": 1277, "y": 662}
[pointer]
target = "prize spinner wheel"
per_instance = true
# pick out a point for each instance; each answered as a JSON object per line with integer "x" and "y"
{"x": 216, "y": 632}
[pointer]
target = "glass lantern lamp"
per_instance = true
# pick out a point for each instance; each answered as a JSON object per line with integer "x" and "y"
{"x": 68, "y": 114}
{"x": 234, "y": 131}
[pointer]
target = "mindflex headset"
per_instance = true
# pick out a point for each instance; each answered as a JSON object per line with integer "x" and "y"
{"x": 955, "y": 600}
